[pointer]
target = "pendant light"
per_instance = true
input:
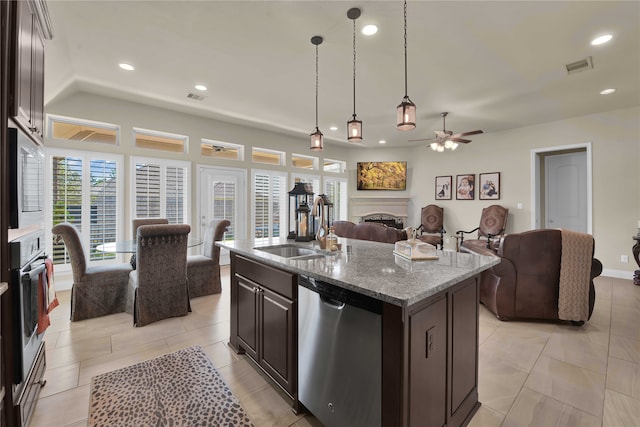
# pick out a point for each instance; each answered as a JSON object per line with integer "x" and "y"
{"x": 354, "y": 126}
{"x": 317, "y": 140}
{"x": 406, "y": 115}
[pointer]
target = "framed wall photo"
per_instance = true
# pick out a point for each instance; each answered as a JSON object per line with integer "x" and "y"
{"x": 465, "y": 186}
{"x": 489, "y": 186}
{"x": 443, "y": 187}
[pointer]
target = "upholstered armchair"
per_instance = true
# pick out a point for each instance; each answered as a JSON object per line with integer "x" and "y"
{"x": 158, "y": 288}
{"x": 97, "y": 290}
{"x": 431, "y": 225}
{"x": 493, "y": 223}
{"x": 145, "y": 221}
{"x": 526, "y": 282}
{"x": 203, "y": 270}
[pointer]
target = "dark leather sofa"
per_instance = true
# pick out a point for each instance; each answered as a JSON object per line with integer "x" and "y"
{"x": 524, "y": 285}
{"x": 368, "y": 231}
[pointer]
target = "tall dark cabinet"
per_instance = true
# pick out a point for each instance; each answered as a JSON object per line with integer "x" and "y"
{"x": 24, "y": 27}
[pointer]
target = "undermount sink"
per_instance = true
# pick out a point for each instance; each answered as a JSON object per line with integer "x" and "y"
{"x": 290, "y": 251}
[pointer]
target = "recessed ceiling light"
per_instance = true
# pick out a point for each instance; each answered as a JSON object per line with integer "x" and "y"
{"x": 607, "y": 91}
{"x": 200, "y": 87}
{"x": 333, "y": 128}
{"x": 382, "y": 141}
{"x": 601, "y": 39}
{"x": 369, "y": 30}
{"x": 127, "y": 67}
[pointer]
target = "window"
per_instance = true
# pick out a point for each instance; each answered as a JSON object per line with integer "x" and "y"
{"x": 269, "y": 203}
{"x": 71, "y": 129}
{"x": 304, "y": 162}
{"x": 269, "y": 157}
{"x": 224, "y": 204}
{"x": 160, "y": 140}
{"x": 85, "y": 190}
{"x": 161, "y": 189}
{"x": 336, "y": 190}
{"x": 221, "y": 150}
{"x": 336, "y": 166}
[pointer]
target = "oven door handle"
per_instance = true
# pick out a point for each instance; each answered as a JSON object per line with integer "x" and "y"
{"x": 34, "y": 272}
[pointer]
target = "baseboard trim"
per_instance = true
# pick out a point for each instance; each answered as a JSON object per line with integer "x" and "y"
{"x": 618, "y": 274}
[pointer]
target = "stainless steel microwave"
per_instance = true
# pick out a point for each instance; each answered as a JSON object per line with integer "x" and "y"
{"x": 26, "y": 178}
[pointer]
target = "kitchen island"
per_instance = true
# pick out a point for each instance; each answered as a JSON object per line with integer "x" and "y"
{"x": 428, "y": 320}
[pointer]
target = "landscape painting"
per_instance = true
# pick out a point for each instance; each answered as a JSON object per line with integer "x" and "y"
{"x": 382, "y": 175}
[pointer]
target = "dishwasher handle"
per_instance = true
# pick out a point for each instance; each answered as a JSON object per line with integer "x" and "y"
{"x": 334, "y": 303}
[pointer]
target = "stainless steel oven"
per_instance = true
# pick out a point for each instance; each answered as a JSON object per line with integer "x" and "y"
{"x": 26, "y": 178}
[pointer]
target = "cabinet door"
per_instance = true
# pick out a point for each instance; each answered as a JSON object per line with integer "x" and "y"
{"x": 276, "y": 337}
{"x": 247, "y": 316}
{"x": 37, "y": 85}
{"x": 428, "y": 365}
{"x": 22, "y": 99}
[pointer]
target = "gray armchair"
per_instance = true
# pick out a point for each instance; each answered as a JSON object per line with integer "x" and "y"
{"x": 145, "y": 221}
{"x": 158, "y": 288}
{"x": 203, "y": 270}
{"x": 96, "y": 291}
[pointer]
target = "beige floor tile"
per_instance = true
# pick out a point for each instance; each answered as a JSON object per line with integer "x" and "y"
{"x": 267, "y": 408}
{"x": 498, "y": 383}
{"x": 533, "y": 409}
{"x": 578, "y": 350}
{"x": 203, "y": 336}
{"x": 148, "y": 333}
{"x": 623, "y": 295}
{"x": 625, "y": 320}
{"x": 625, "y": 348}
{"x": 570, "y": 384}
{"x": 486, "y": 417}
{"x": 79, "y": 351}
{"x": 242, "y": 378}
{"x": 518, "y": 348}
{"x": 221, "y": 354}
{"x": 620, "y": 410}
{"x": 134, "y": 353}
{"x": 60, "y": 379}
{"x": 104, "y": 326}
{"x": 62, "y": 409}
{"x": 624, "y": 377}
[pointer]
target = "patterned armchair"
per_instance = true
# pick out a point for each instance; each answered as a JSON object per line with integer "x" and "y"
{"x": 431, "y": 225}
{"x": 145, "y": 221}
{"x": 96, "y": 291}
{"x": 158, "y": 288}
{"x": 203, "y": 270}
{"x": 493, "y": 222}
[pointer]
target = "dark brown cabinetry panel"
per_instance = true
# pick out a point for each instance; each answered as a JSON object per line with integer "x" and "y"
{"x": 263, "y": 309}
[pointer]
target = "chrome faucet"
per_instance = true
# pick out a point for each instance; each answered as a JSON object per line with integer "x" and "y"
{"x": 321, "y": 235}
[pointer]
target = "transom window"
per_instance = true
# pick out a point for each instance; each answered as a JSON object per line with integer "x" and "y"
{"x": 221, "y": 150}
{"x": 72, "y": 129}
{"x": 155, "y": 140}
{"x": 304, "y": 162}
{"x": 336, "y": 166}
{"x": 269, "y": 157}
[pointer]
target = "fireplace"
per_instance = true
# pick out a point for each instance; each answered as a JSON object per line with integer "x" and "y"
{"x": 391, "y": 211}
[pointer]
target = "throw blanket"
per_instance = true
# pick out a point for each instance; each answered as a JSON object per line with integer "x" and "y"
{"x": 47, "y": 299}
{"x": 575, "y": 276}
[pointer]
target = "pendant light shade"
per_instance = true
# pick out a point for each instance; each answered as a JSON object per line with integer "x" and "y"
{"x": 317, "y": 140}
{"x": 406, "y": 111}
{"x": 354, "y": 126}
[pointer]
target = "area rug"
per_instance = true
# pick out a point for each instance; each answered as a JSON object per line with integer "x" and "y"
{"x": 178, "y": 389}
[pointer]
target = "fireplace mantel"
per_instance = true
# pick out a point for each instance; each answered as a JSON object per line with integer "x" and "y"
{"x": 388, "y": 205}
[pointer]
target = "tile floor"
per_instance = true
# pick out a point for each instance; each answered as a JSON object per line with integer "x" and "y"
{"x": 530, "y": 374}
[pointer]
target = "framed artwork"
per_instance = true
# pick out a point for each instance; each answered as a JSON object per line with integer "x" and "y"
{"x": 382, "y": 175}
{"x": 443, "y": 187}
{"x": 489, "y": 186}
{"x": 465, "y": 186}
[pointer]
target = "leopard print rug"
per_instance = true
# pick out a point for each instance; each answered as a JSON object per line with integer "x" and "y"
{"x": 178, "y": 389}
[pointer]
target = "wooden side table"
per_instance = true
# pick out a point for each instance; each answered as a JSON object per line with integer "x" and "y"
{"x": 636, "y": 256}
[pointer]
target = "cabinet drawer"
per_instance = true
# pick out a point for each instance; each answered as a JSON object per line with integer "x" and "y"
{"x": 281, "y": 282}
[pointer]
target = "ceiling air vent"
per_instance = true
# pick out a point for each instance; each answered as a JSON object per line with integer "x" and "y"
{"x": 582, "y": 65}
{"x": 195, "y": 96}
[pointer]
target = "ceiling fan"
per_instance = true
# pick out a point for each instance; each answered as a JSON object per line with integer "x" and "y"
{"x": 446, "y": 138}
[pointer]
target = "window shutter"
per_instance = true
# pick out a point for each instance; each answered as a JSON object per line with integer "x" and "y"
{"x": 224, "y": 195}
{"x": 104, "y": 206}
{"x": 147, "y": 188}
{"x": 66, "y": 198}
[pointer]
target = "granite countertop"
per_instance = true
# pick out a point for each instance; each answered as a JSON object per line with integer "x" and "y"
{"x": 371, "y": 268}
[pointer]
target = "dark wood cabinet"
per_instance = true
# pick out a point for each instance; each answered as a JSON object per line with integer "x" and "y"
{"x": 263, "y": 309}
{"x": 26, "y": 104}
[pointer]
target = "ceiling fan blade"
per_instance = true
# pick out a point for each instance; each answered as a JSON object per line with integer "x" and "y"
{"x": 423, "y": 139}
{"x": 473, "y": 132}
{"x": 441, "y": 133}
{"x": 464, "y": 141}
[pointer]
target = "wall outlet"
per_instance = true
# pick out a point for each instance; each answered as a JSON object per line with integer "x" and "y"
{"x": 519, "y": 205}
{"x": 624, "y": 258}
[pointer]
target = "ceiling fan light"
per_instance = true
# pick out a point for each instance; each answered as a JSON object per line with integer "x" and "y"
{"x": 317, "y": 140}
{"x": 454, "y": 146}
{"x": 434, "y": 146}
{"x": 448, "y": 144}
{"x": 440, "y": 148}
{"x": 406, "y": 115}
{"x": 354, "y": 128}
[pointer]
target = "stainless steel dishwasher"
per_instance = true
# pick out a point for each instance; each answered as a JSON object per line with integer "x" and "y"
{"x": 339, "y": 354}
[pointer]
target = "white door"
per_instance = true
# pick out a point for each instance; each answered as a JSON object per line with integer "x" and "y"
{"x": 566, "y": 191}
{"x": 222, "y": 196}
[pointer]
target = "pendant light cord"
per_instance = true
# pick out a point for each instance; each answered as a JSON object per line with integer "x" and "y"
{"x": 405, "y": 50}
{"x": 316, "y": 86}
{"x": 354, "y": 68}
